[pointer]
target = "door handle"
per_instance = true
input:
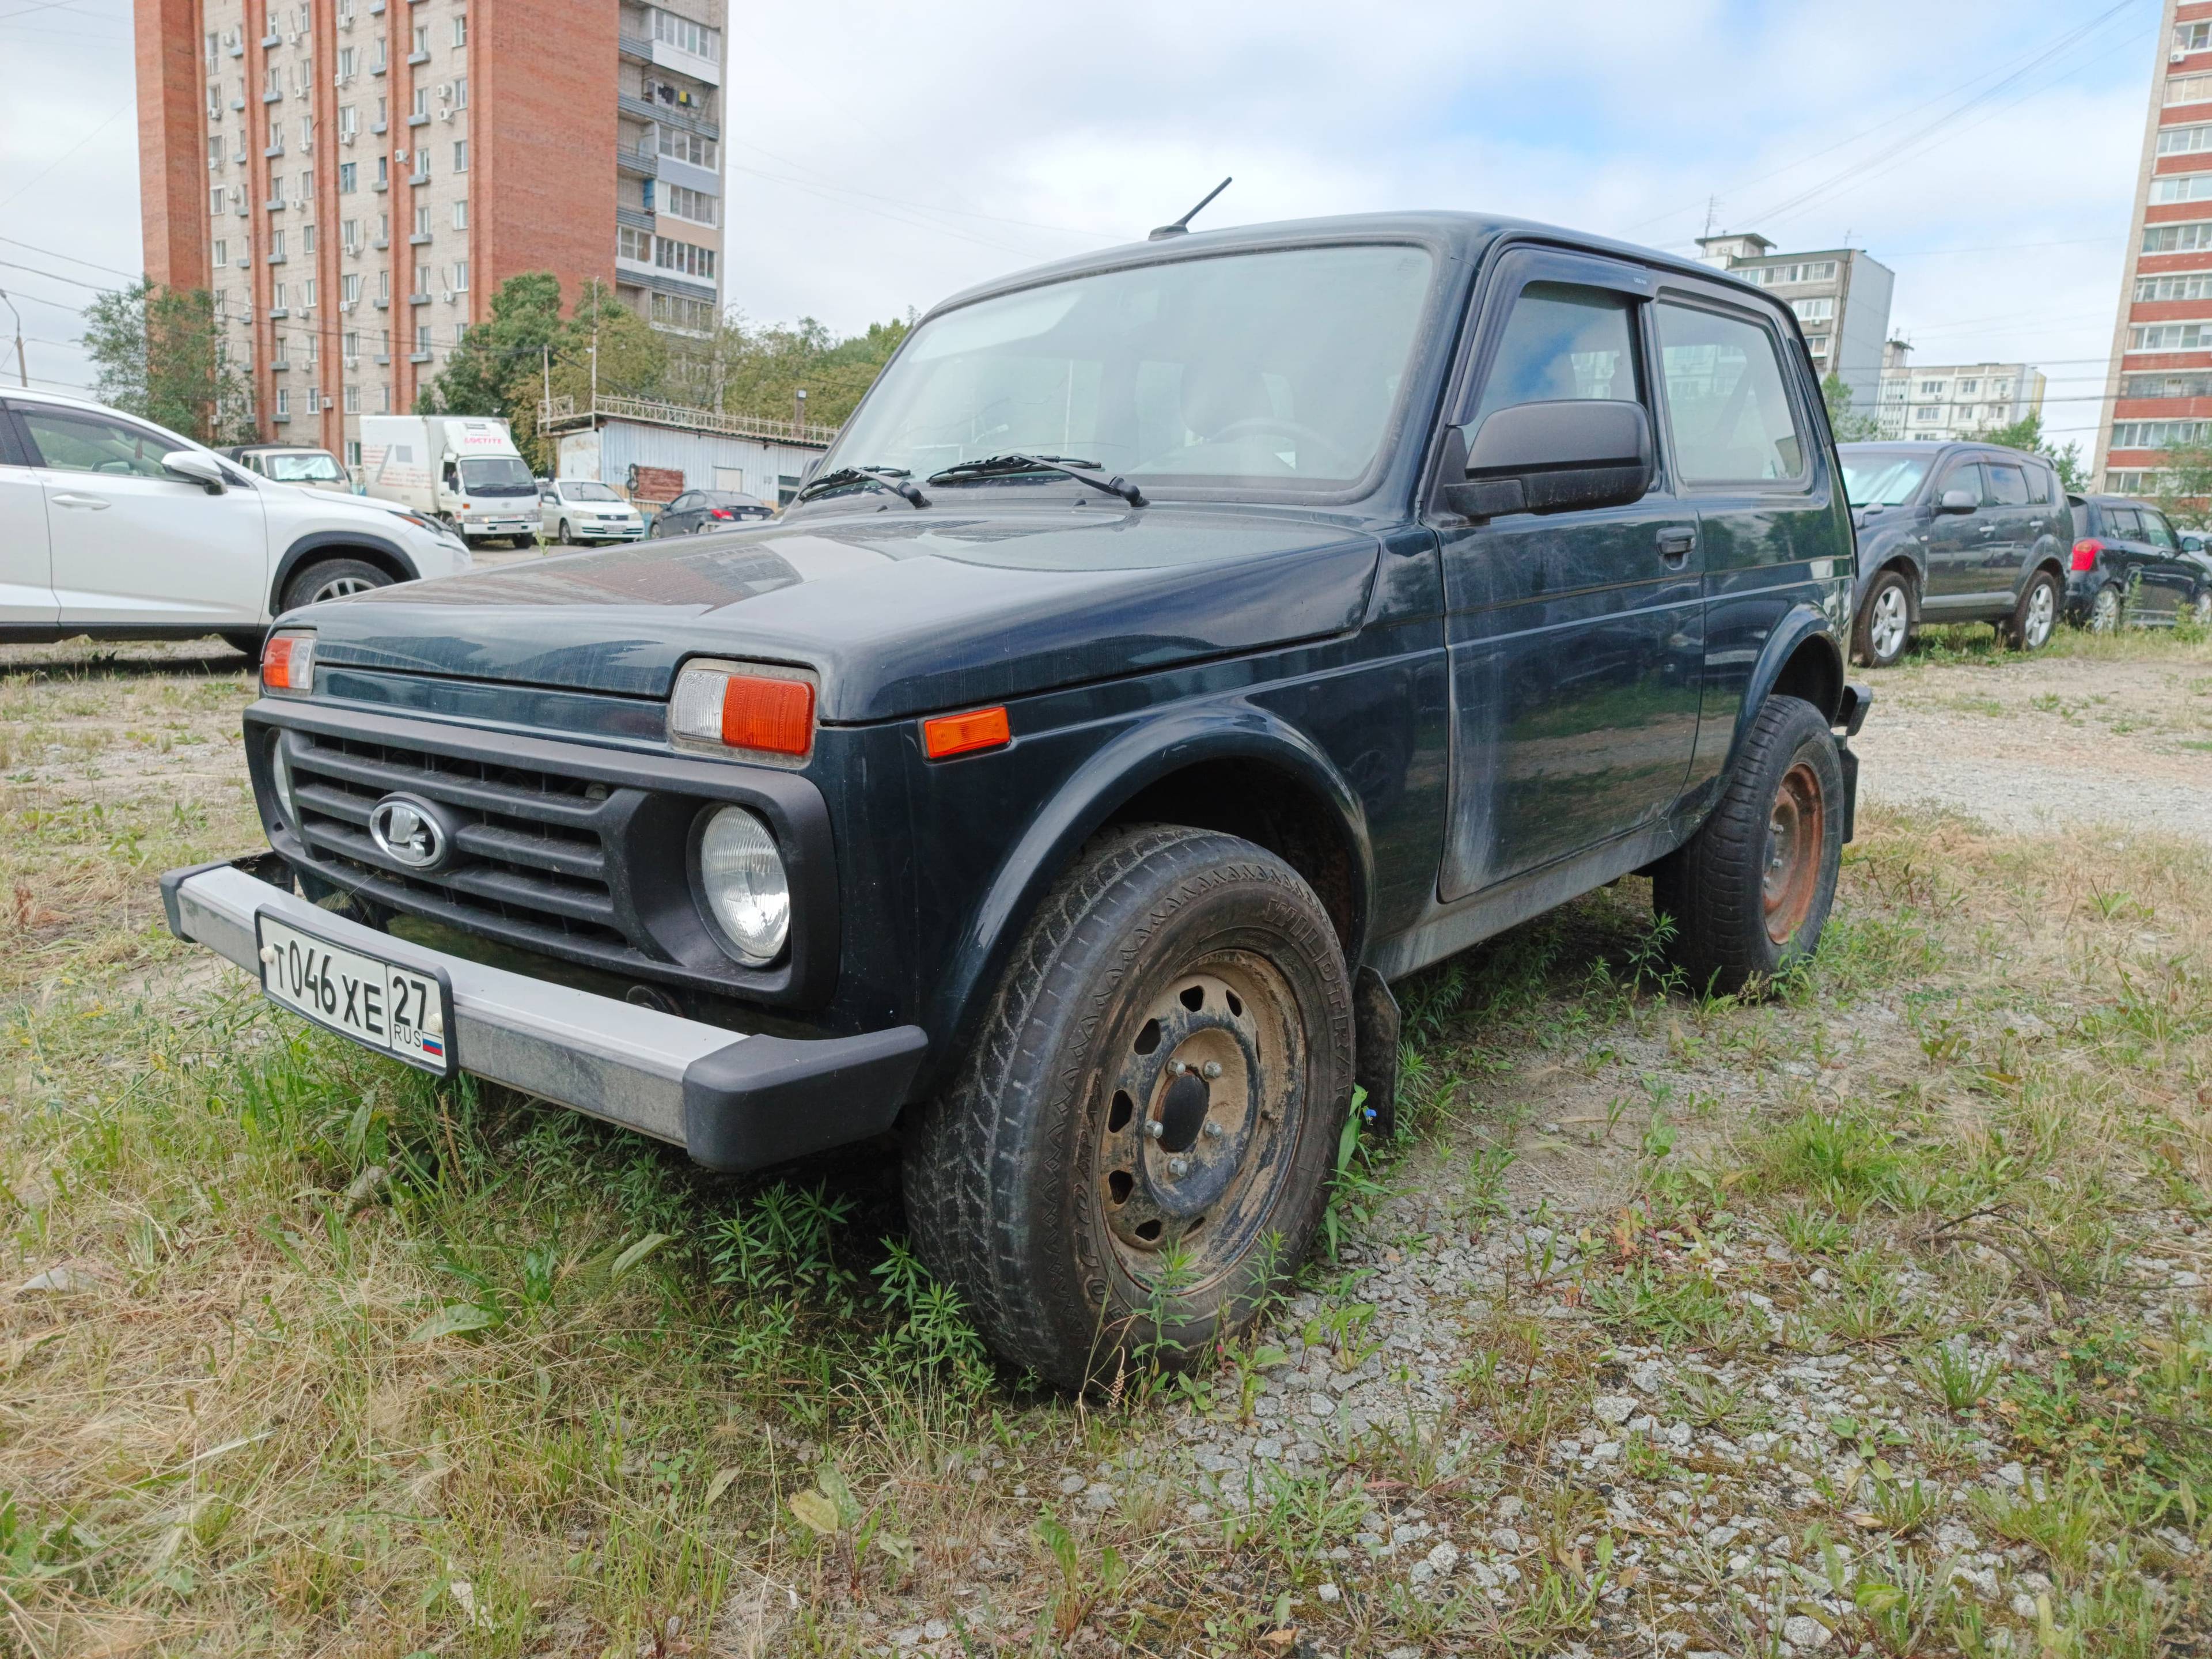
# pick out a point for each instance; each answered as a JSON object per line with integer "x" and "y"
{"x": 1675, "y": 544}
{"x": 1987, "y": 529}
{"x": 97, "y": 503}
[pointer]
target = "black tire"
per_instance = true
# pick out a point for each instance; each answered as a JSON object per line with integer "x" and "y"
{"x": 1880, "y": 634}
{"x": 2035, "y": 618}
{"x": 331, "y": 579}
{"x": 1738, "y": 917}
{"x": 567, "y": 536}
{"x": 2107, "y": 612}
{"x": 247, "y": 640}
{"x": 1032, "y": 1182}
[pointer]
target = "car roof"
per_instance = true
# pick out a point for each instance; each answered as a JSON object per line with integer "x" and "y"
{"x": 40, "y": 395}
{"x": 1948, "y": 446}
{"x": 1462, "y": 235}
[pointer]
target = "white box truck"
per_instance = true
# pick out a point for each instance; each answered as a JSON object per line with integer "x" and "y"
{"x": 463, "y": 469}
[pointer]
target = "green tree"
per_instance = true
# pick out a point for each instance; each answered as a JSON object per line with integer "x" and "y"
{"x": 747, "y": 370}
{"x": 2025, "y": 434}
{"x": 158, "y": 353}
{"x": 2184, "y": 485}
{"x": 497, "y": 368}
{"x": 1849, "y": 429}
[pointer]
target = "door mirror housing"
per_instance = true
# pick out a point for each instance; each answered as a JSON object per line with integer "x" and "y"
{"x": 196, "y": 468}
{"x": 1958, "y": 501}
{"x": 1565, "y": 456}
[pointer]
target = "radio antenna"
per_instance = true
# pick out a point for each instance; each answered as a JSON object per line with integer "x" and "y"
{"x": 1182, "y": 226}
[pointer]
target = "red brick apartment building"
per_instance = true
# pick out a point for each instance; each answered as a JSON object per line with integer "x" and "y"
{"x": 2159, "y": 391}
{"x": 353, "y": 178}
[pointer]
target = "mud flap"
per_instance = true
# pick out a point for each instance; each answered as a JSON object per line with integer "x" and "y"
{"x": 1375, "y": 1060}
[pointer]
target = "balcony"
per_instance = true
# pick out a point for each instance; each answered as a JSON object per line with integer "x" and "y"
{"x": 670, "y": 115}
{"x": 635, "y": 218}
{"x": 634, "y": 47}
{"x": 644, "y": 163}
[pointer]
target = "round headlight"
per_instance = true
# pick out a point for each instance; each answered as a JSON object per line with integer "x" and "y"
{"x": 280, "y": 774}
{"x": 743, "y": 878}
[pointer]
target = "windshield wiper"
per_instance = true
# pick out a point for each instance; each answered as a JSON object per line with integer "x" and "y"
{"x": 893, "y": 479}
{"x": 1086, "y": 472}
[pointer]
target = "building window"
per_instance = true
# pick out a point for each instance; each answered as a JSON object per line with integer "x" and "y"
{"x": 215, "y": 155}
{"x": 634, "y": 244}
{"x": 222, "y": 252}
{"x": 349, "y": 178}
{"x": 2171, "y": 337}
{"x": 2188, "y": 89}
{"x": 349, "y": 344}
{"x": 701, "y": 209}
{"x": 422, "y": 100}
{"x": 460, "y": 30}
{"x": 383, "y": 285}
{"x": 685, "y": 35}
{"x": 2185, "y": 141}
{"x": 685, "y": 257}
{"x": 460, "y": 155}
{"x": 349, "y": 289}
{"x": 307, "y": 239}
{"x": 1820, "y": 310}
{"x": 1968, "y": 388}
{"x": 383, "y": 171}
{"x": 461, "y": 93}
{"x": 275, "y": 245}
{"x": 2182, "y": 187}
{"x": 1810, "y": 271}
{"x": 352, "y": 399}
{"x": 349, "y": 64}
{"x": 460, "y": 276}
{"x": 461, "y": 214}
{"x": 214, "y": 199}
{"x": 673, "y": 311}
{"x": 687, "y": 147}
{"x": 1926, "y": 413}
{"x": 422, "y": 336}
{"x": 350, "y": 234}
{"x": 283, "y": 402}
{"x": 422, "y": 220}
{"x": 423, "y": 39}
{"x": 2193, "y": 37}
{"x": 307, "y": 303}
{"x": 2159, "y": 435}
{"x": 422, "y": 279}
{"x": 384, "y": 398}
{"x": 2196, "y": 286}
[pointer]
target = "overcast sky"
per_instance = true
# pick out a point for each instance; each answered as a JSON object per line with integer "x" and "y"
{"x": 881, "y": 157}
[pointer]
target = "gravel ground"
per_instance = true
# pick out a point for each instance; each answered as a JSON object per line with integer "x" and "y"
{"x": 2030, "y": 745}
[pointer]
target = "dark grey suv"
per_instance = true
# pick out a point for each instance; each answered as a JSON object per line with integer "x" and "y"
{"x": 1954, "y": 532}
{"x": 2131, "y": 565}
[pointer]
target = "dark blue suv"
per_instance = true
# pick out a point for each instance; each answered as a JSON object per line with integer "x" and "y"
{"x": 1179, "y": 645}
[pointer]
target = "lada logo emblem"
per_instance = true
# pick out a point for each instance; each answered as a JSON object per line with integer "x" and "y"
{"x": 408, "y": 831}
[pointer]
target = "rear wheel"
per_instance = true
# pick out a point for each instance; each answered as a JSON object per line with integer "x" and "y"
{"x": 2036, "y": 616}
{"x": 1750, "y": 892}
{"x": 1885, "y": 625}
{"x": 1139, "y": 1149}
{"x": 2107, "y": 610}
{"x": 332, "y": 579}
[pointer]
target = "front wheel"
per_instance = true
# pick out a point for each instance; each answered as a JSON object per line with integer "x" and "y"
{"x": 332, "y": 579}
{"x": 1885, "y": 625}
{"x": 2035, "y": 617}
{"x": 1138, "y": 1152}
{"x": 568, "y": 536}
{"x": 1750, "y": 892}
{"x": 2200, "y": 608}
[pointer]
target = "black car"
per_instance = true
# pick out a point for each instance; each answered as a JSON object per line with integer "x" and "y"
{"x": 1180, "y": 644}
{"x": 1954, "y": 532}
{"x": 696, "y": 510}
{"x": 2131, "y": 565}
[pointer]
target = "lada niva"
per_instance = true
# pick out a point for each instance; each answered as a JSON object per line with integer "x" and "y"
{"x": 1179, "y": 645}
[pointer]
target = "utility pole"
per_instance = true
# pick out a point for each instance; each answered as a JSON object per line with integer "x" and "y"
{"x": 546, "y": 353}
{"x": 798, "y": 413}
{"x": 22, "y": 370}
{"x": 595, "y": 371}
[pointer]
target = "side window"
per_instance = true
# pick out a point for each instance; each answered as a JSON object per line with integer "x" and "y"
{"x": 2157, "y": 532}
{"x": 1728, "y": 402}
{"x": 2042, "y": 486}
{"x": 1562, "y": 342}
{"x": 70, "y": 442}
{"x": 2122, "y": 524}
{"x": 11, "y": 449}
{"x": 1967, "y": 475}
{"x": 683, "y": 503}
{"x": 2008, "y": 485}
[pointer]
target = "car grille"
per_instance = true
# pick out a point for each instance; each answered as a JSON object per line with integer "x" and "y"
{"x": 532, "y": 858}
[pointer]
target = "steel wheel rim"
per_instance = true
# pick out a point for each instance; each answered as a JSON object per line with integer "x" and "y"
{"x": 1886, "y": 631}
{"x": 339, "y": 588}
{"x": 2042, "y": 612}
{"x": 1796, "y": 834}
{"x": 2104, "y": 615}
{"x": 2200, "y": 610}
{"x": 1199, "y": 1120}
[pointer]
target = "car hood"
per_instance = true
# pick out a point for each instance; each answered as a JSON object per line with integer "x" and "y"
{"x": 899, "y": 612}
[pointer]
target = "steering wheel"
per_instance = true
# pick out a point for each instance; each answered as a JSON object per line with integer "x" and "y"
{"x": 1287, "y": 428}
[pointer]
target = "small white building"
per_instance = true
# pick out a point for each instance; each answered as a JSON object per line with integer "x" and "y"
{"x": 653, "y": 451}
{"x": 1935, "y": 402}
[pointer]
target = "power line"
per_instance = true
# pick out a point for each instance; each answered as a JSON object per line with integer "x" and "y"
{"x": 55, "y": 253}
{"x": 73, "y": 148}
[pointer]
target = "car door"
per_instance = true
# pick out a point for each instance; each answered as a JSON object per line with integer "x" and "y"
{"x": 1575, "y": 638}
{"x": 2005, "y": 533}
{"x": 26, "y": 575}
{"x": 672, "y": 521}
{"x": 1954, "y": 540}
{"x": 548, "y": 511}
{"x": 2127, "y": 551}
{"x": 2169, "y": 579}
{"x": 134, "y": 544}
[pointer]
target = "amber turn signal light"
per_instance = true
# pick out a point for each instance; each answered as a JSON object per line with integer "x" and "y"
{"x": 945, "y": 735}
{"x": 767, "y": 713}
{"x": 288, "y": 664}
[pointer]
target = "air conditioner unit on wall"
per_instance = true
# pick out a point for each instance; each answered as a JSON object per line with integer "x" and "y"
{"x": 445, "y": 115}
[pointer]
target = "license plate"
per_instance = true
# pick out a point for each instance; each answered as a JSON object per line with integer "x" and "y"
{"x": 405, "y": 1013}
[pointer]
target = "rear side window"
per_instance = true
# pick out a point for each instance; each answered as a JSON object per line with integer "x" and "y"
{"x": 2007, "y": 485}
{"x": 1562, "y": 342}
{"x": 2042, "y": 486}
{"x": 1728, "y": 402}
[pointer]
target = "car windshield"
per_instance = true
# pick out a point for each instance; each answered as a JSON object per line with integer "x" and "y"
{"x": 497, "y": 475}
{"x": 1878, "y": 479}
{"x": 588, "y": 492}
{"x": 1280, "y": 370}
{"x": 317, "y": 468}
{"x": 732, "y": 500}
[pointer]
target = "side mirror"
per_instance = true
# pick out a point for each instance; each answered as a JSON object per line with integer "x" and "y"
{"x": 1566, "y": 456}
{"x": 1958, "y": 501}
{"x": 196, "y": 468}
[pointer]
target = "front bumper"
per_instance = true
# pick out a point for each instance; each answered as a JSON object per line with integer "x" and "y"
{"x": 734, "y": 1101}
{"x": 499, "y": 528}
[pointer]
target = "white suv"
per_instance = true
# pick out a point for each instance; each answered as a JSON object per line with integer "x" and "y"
{"x": 111, "y": 526}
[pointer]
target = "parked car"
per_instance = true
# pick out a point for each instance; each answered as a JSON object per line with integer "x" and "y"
{"x": 1179, "y": 645}
{"x": 113, "y": 527}
{"x": 1950, "y": 533}
{"x": 697, "y": 510}
{"x": 2129, "y": 565}
{"x": 573, "y": 510}
{"x": 294, "y": 464}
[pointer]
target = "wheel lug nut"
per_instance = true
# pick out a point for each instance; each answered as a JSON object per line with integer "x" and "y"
{"x": 1212, "y": 1070}
{"x": 1214, "y": 1132}
{"x": 1176, "y": 1068}
{"x": 1178, "y": 1166}
{"x": 1156, "y": 1128}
